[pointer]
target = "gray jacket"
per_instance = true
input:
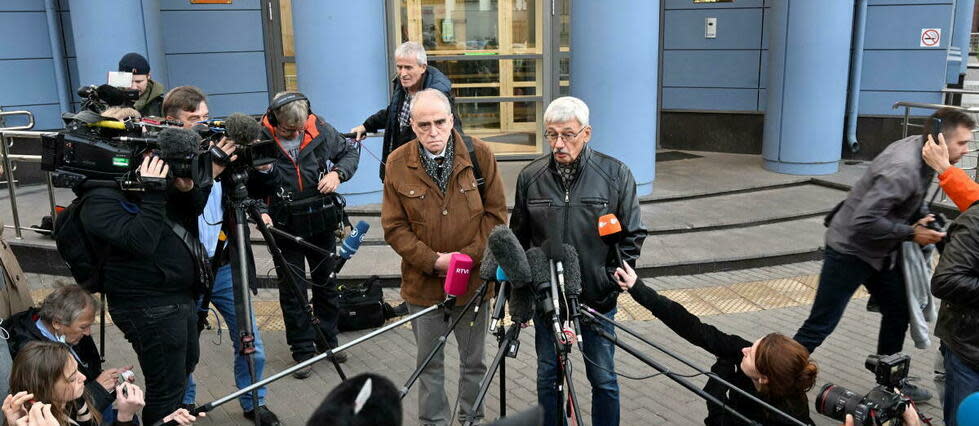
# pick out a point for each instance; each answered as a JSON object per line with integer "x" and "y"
{"x": 879, "y": 211}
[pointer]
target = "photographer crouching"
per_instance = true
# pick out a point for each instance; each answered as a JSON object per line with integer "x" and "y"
{"x": 152, "y": 266}
{"x": 312, "y": 160}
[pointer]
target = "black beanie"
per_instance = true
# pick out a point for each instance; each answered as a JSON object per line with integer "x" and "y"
{"x": 135, "y": 63}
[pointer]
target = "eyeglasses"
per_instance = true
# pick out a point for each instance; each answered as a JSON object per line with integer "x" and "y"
{"x": 284, "y": 129}
{"x": 427, "y": 125}
{"x": 566, "y": 136}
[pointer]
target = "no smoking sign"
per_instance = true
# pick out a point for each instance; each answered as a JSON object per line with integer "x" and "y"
{"x": 931, "y": 37}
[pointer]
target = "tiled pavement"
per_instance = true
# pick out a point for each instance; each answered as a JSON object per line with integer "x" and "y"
{"x": 750, "y": 303}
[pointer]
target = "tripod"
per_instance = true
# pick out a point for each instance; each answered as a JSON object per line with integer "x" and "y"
{"x": 509, "y": 345}
{"x": 443, "y": 339}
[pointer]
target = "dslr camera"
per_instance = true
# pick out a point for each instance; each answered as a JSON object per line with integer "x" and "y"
{"x": 881, "y": 406}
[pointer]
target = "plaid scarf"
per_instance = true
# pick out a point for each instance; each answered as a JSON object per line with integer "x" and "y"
{"x": 569, "y": 172}
{"x": 439, "y": 172}
{"x": 404, "y": 115}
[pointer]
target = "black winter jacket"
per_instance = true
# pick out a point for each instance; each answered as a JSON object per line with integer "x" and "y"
{"x": 956, "y": 282}
{"x": 322, "y": 150}
{"x": 727, "y": 348}
{"x": 604, "y": 185}
{"x": 387, "y": 118}
{"x": 23, "y": 330}
{"x": 148, "y": 264}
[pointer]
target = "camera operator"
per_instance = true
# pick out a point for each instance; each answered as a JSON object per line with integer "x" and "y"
{"x": 189, "y": 105}
{"x": 775, "y": 368}
{"x": 150, "y": 102}
{"x": 151, "y": 272}
{"x": 312, "y": 161}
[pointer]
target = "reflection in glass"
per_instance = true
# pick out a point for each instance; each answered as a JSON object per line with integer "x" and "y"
{"x": 289, "y": 74}
{"x": 525, "y": 69}
{"x": 480, "y": 115}
{"x": 455, "y": 25}
{"x": 524, "y": 24}
{"x": 465, "y": 72}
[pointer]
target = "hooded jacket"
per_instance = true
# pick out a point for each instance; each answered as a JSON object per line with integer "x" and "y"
{"x": 150, "y": 103}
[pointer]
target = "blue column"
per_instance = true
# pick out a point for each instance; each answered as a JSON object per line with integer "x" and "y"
{"x": 807, "y": 83}
{"x": 961, "y": 28}
{"x": 103, "y": 32}
{"x": 614, "y": 68}
{"x": 342, "y": 67}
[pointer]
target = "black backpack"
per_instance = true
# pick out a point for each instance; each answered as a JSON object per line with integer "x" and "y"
{"x": 74, "y": 246}
{"x": 362, "y": 306}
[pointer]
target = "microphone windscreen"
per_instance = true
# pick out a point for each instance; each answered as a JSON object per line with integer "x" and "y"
{"x": 353, "y": 241}
{"x": 540, "y": 268}
{"x": 509, "y": 254}
{"x": 968, "y": 409}
{"x": 111, "y": 95}
{"x": 242, "y": 129}
{"x": 608, "y": 226}
{"x": 178, "y": 143}
{"x": 488, "y": 267}
{"x": 555, "y": 238}
{"x": 457, "y": 277}
{"x": 521, "y": 304}
{"x": 572, "y": 271}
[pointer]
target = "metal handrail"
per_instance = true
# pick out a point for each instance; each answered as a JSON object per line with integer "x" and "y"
{"x": 7, "y": 135}
{"x": 923, "y": 105}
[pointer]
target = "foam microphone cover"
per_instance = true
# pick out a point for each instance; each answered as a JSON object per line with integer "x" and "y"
{"x": 572, "y": 271}
{"x": 521, "y": 304}
{"x": 968, "y": 411}
{"x": 178, "y": 143}
{"x": 242, "y": 128}
{"x": 488, "y": 267}
{"x": 540, "y": 268}
{"x": 111, "y": 95}
{"x": 555, "y": 238}
{"x": 609, "y": 227}
{"x": 457, "y": 278}
{"x": 509, "y": 254}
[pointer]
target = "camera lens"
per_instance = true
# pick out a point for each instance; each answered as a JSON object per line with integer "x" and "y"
{"x": 836, "y": 401}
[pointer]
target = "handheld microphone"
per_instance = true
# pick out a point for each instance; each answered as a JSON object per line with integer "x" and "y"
{"x": 456, "y": 280}
{"x": 351, "y": 244}
{"x": 610, "y": 230}
{"x": 572, "y": 289}
{"x": 543, "y": 285}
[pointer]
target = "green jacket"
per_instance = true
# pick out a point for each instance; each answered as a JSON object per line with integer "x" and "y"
{"x": 150, "y": 103}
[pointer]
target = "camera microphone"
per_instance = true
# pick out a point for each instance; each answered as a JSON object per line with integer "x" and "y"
{"x": 135, "y": 139}
{"x": 178, "y": 146}
{"x": 242, "y": 129}
{"x": 456, "y": 280}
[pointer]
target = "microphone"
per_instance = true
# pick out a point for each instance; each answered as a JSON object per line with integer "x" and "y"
{"x": 510, "y": 255}
{"x": 114, "y": 96}
{"x": 351, "y": 244}
{"x": 572, "y": 289}
{"x": 488, "y": 267}
{"x": 610, "y": 230}
{"x": 555, "y": 252}
{"x": 241, "y": 128}
{"x": 968, "y": 409}
{"x": 489, "y": 270}
{"x": 543, "y": 285}
{"x": 178, "y": 146}
{"x": 456, "y": 280}
{"x": 135, "y": 139}
{"x": 109, "y": 124}
{"x": 521, "y": 304}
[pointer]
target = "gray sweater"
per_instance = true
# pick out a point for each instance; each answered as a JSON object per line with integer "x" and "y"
{"x": 880, "y": 210}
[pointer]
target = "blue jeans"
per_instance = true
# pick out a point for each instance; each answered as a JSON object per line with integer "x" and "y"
{"x": 839, "y": 278}
{"x": 604, "y": 385}
{"x": 222, "y": 297}
{"x": 960, "y": 382}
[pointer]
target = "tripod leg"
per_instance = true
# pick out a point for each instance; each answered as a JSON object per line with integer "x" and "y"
{"x": 242, "y": 267}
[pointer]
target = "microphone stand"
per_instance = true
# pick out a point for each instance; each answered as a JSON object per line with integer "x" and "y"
{"x": 443, "y": 339}
{"x": 563, "y": 348}
{"x": 286, "y": 273}
{"x": 509, "y": 345}
{"x": 264, "y": 382}
{"x": 593, "y": 314}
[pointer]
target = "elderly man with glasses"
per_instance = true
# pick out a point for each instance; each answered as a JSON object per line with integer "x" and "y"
{"x": 433, "y": 207}
{"x": 567, "y": 191}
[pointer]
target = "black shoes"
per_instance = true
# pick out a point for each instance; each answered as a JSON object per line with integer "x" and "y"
{"x": 265, "y": 416}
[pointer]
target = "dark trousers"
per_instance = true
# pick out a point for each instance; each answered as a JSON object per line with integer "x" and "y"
{"x": 165, "y": 341}
{"x": 300, "y": 334}
{"x": 840, "y": 277}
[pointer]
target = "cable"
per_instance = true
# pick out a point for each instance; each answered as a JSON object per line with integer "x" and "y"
{"x": 596, "y": 365}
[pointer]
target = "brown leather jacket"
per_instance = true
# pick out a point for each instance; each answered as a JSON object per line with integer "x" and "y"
{"x": 419, "y": 220}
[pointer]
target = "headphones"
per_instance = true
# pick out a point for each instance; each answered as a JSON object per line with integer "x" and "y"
{"x": 281, "y": 101}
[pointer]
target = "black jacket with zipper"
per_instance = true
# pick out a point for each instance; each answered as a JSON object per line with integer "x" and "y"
{"x": 322, "y": 150}
{"x": 604, "y": 185}
{"x": 956, "y": 282}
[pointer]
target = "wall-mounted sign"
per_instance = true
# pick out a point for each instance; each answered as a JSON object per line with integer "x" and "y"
{"x": 210, "y": 1}
{"x": 931, "y": 37}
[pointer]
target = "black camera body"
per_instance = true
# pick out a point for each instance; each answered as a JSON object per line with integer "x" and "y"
{"x": 939, "y": 224}
{"x": 879, "y": 406}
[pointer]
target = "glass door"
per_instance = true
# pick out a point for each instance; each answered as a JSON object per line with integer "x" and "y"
{"x": 493, "y": 51}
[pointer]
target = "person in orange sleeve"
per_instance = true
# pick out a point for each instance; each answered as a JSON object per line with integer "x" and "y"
{"x": 961, "y": 189}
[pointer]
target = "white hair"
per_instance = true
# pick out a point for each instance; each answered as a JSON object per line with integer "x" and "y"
{"x": 566, "y": 108}
{"x": 292, "y": 114}
{"x": 411, "y": 49}
{"x": 434, "y": 94}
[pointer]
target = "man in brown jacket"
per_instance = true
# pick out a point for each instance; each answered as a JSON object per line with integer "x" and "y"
{"x": 433, "y": 208}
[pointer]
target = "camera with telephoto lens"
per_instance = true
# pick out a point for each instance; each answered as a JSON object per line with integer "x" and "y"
{"x": 939, "y": 224}
{"x": 881, "y": 406}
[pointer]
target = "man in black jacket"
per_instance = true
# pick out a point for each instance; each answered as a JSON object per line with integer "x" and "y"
{"x": 574, "y": 186}
{"x": 313, "y": 160}
{"x": 150, "y": 275}
{"x": 414, "y": 75}
{"x": 956, "y": 282}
